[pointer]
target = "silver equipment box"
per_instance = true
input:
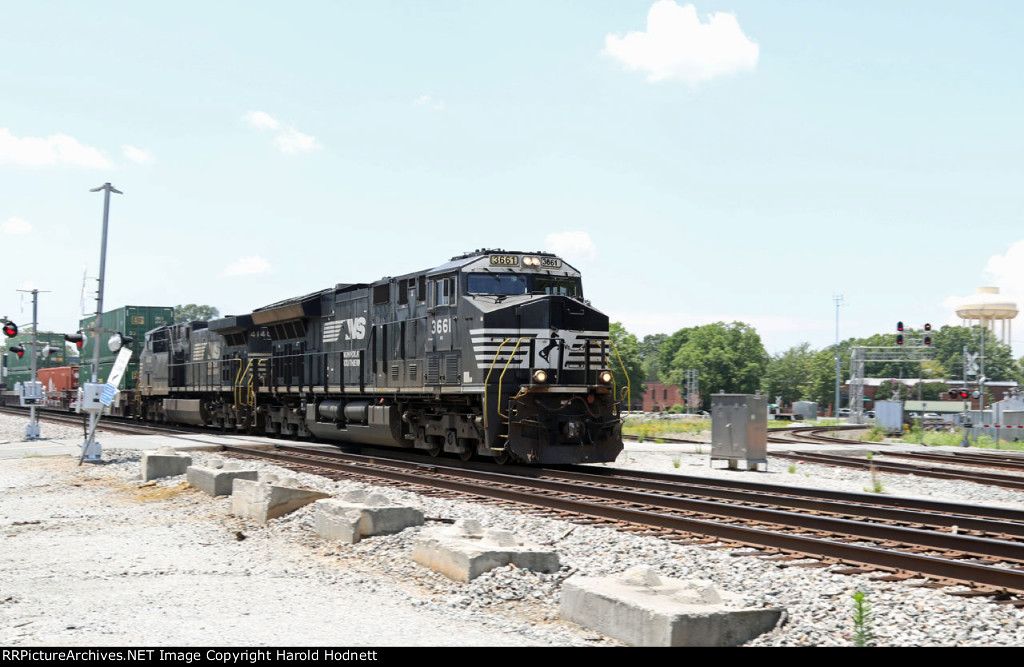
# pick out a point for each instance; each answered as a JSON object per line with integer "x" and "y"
{"x": 739, "y": 429}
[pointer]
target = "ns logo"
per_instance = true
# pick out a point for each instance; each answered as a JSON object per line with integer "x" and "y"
{"x": 354, "y": 328}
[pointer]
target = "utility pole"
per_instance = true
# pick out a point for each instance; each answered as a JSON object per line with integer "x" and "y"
{"x": 90, "y": 448}
{"x": 838, "y": 298}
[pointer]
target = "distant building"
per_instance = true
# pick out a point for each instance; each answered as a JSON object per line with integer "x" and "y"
{"x": 660, "y": 397}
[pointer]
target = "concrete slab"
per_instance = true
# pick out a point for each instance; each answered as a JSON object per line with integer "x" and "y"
{"x": 643, "y": 609}
{"x": 269, "y": 497}
{"x": 360, "y": 514}
{"x": 165, "y": 462}
{"x": 216, "y": 477}
{"x": 465, "y": 551}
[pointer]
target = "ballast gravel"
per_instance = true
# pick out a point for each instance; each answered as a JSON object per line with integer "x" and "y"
{"x": 91, "y": 556}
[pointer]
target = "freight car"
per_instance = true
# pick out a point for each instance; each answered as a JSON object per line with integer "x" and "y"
{"x": 494, "y": 353}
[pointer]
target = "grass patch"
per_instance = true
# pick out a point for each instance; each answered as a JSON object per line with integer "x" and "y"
{"x": 873, "y": 434}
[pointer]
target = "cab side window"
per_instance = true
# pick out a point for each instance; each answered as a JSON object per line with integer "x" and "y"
{"x": 444, "y": 291}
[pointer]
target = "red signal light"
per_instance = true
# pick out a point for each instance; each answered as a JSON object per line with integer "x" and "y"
{"x": 899, "y": 326}
{"x": 18, "y": 350}
{"x": 10, "y": 329}
{"x": 77, "y": 338}
{"x": 899, "y": 339}
{"x": 927, "y": 340}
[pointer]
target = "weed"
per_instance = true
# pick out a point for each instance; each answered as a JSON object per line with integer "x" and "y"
{"x": 876, "y": 483}
{"x": 792, "y": 468}
{"x": 675, "y": 461}
{"x": 862, "y": 619}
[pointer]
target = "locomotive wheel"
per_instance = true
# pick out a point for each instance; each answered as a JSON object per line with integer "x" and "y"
{"x": 502, "y": 457}
{"x": 467, "y": 451}
{"x": 435, "y": 449}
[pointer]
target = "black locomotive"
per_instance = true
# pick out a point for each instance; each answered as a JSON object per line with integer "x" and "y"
{"x": 494, "y": 353}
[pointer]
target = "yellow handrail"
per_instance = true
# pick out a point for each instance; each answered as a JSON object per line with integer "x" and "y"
{"x": 502, "y": 376}
{"x": 628, "y": 387}
{"x": 488, "y": 378}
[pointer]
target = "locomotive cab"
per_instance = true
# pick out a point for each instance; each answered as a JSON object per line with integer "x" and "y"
{"x": 541, "y": 354}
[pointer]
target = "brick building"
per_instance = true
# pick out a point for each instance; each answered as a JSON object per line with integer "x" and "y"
{"x": 660, "y": 397}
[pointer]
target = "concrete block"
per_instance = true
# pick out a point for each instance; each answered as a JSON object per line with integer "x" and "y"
{"x": 216, "y": 477}
{"x": 269, "y": 498}
{"x": 360, "y": 514}
{"x": 642, "y": 609}
{"x": 465, "y": 551}
{"x": 164, "y": 462}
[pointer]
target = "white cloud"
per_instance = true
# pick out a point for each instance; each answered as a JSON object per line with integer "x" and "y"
{"x": 258, "y": 120}
{"x": 678, "y": 46}
{"x": 571, "y": 245}
{"x": 1004, "y": 271}
{"x": 16, "y": 227}
{"x": 247, "y": 266}
{"x": 53, "y": 150}
{"x": 1007, "y": 271}
{"x": 138, "y": 155}
{"x": 428, "y": 101}
{"x": 288, "y": 139}
{"x": 292, "y": 141}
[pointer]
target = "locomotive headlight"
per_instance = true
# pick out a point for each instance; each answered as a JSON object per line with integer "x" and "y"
{"x": 605, "y": 377}
{"x": 540, "y": 377}
{"x": 531, "y": 261}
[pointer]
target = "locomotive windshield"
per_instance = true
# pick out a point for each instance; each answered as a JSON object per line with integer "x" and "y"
{"x": 494, "y": 283}
{"x": 510, "y": 284}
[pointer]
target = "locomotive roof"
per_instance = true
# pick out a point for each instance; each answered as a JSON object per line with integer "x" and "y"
{"x": 460, "y": 261}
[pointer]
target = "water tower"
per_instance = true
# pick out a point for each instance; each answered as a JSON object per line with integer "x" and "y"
{"x": 986, "y": 307}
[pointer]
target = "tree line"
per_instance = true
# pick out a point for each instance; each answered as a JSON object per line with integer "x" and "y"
{"x": 730, "y": 358}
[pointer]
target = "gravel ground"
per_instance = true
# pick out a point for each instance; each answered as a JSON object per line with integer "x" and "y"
{"x": 91, "y": 557}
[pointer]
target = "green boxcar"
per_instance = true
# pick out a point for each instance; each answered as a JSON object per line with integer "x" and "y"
{"x": 128, "y": 380}
{"x": 19, "y": 369}
{"x": 132, "y": 321}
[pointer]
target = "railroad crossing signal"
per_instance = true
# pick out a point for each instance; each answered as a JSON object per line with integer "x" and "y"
{"x": 959, "y": 393}
{"x": 927, "y": 327}
{"x": 10, "y": 328}
{"x": 18, "y": 350}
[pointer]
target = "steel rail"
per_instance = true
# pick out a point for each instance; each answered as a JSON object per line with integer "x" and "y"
{"x": 977, "y": 511}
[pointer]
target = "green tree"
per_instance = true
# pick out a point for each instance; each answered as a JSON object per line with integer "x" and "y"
{"x": 949, "y": 345}
{"x": 628, "y": 348}
{"x": 729, "y": 357}
{"x": 194, "y": 313}
{"x": 786, "y": 373}
{"x": 650, "y": 347}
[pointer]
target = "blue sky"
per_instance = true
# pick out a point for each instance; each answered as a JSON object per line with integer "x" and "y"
{"x": 699, "y": 162}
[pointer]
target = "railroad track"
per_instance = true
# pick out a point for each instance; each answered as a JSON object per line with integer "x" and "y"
{"x": 1015, "y": 482}
{"x": 942, "y": 543}
{"x": 107, "y": 424}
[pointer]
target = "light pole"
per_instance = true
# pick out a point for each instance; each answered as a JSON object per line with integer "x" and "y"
{"x": 91, "y": 449}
